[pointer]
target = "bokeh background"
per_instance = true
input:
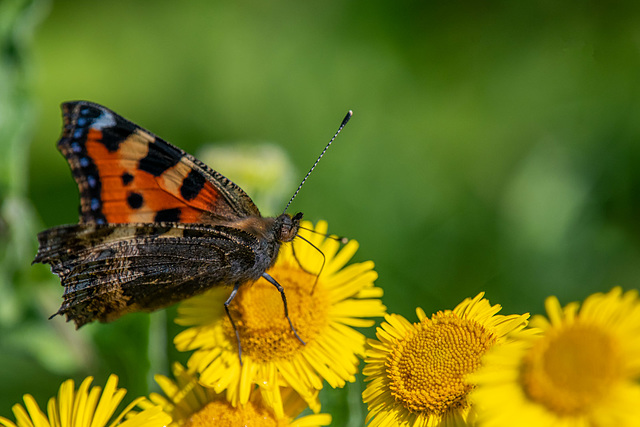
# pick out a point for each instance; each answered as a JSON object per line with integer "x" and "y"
{"x": 495, "y": 146}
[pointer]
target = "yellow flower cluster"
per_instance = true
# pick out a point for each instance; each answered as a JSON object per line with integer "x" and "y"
{"x": 85, "y": 407}
{"x": 579, "y": 366}
{"x": 278, "y": 376}
{"x": 470, "y": 366}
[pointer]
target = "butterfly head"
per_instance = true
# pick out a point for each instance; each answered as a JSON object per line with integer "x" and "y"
{"x": 287, "y": 226}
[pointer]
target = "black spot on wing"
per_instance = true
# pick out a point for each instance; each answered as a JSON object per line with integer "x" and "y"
{"x": 168, "y": 215}
{"x": 126, "y": 178}
{"x": 161, "y": 156}
{"x": 192, "y": 185}
{"x": 135, "y": 200}
{"x": 114, "y": 129}
{"x": 112, "y": 137}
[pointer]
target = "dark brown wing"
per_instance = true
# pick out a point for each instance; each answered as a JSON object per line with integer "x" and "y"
{"x": 111, "y": 270}
{"x": 126, "y": 174}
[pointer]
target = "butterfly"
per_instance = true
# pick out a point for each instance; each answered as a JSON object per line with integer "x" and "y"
{"x": 156, "y": 224}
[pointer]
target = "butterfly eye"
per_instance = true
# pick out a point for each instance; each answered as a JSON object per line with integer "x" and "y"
{"x": 288, "y": 227}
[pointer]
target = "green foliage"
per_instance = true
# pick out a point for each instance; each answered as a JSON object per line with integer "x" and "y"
{"x": 28, "y": 355}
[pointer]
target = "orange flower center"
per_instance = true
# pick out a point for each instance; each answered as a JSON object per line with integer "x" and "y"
{"x": 427, "y": 368}
{"x": 222, "y": 414}
{"x": 572, "y": 368}
{"x": 258, "y": 312}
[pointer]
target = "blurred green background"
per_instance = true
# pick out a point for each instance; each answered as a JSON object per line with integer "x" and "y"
{"x": 495, "y": 146}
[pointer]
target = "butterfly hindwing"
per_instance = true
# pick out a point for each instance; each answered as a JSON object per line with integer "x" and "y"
{"x": 126, "y": 174}
{"x": 110, "y": 270}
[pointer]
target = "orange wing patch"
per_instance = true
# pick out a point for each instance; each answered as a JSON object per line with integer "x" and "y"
{"x": 145, "y": 181}
{"x": 126, "y": 174}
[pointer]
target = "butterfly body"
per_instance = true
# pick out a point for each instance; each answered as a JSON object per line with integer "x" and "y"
{"x": 156, "y": 224}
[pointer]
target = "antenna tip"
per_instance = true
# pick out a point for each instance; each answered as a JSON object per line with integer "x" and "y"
{"x": 346, "y": 118}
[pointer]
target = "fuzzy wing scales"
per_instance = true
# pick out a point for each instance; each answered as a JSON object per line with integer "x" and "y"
{"x": 111, "y": 270}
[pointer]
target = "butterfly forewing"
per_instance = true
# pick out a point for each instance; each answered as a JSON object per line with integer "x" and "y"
{"x": 126, "y": 174}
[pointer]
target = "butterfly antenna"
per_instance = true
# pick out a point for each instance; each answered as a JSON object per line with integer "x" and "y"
{"x": 344, "y": 122}
{"x": 339, "y": 239}
{"x": 324, "y": 260}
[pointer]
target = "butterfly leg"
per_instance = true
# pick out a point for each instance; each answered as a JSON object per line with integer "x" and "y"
{"x": 235, "y": 329}
{"x": 284, "y": 300}
{"x": 324, "y": 259}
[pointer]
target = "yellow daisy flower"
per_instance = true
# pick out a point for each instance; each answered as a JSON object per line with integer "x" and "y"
{"x": 85, "y": 408}
{"x": 191, "y": 404}
{"x": 416, "y": 372}
{"x": 324, "y": 309}
{"x": 582, "y": 371}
